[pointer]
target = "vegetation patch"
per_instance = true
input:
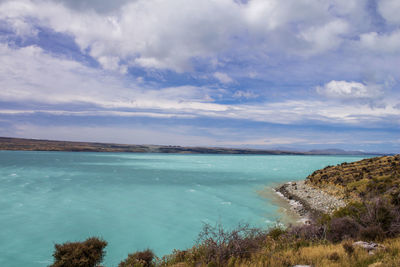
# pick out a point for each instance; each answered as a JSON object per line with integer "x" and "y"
{"x": 361, "y": 180}
{"x": 88, "y": 253}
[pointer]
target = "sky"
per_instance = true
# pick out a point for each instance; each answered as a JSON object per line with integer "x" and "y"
{"x": 298, "y": 74}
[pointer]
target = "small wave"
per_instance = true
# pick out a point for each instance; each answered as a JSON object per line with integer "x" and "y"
{"x": 279, "y": 194}
{"x": 205, "y": 220}
{"x": 294, "y": 203}
{"x": 191, "y": 190}
{"x": 226, "y": 203}
{"x": 44, "y": 262}
{"x": 13, "y": 174}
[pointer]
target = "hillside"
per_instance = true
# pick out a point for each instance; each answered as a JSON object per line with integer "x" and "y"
{"x": 361, "y": 180}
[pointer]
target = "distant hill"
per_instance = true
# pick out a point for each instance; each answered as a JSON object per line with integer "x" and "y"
{"x": 334, "y": 151}
{"x": 7, "y": 143}
{"x": 364, "y": 179}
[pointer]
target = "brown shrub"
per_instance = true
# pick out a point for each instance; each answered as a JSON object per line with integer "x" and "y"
{"x": 342, "y": 228}
{"x": 79, "y": 254}
{"x": 379, "y": 217}
{"x": 215, "y": 245}
{"x": 308, "y": 232}
{"x": 378, "y": 212}
{"x": 139, "y": 259}
{"x": 372, "y": 233}
{"x": 348, "y": 248}
{"x": 334, "y": 256}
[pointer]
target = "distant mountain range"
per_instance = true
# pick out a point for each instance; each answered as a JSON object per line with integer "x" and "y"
{"x": 8, "y": 143}
{"x": 334, "y": 151}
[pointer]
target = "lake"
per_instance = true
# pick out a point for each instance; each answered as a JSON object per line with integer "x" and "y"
{"x": 134, "y": 201}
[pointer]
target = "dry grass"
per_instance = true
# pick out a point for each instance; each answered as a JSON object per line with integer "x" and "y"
{"x": 324, "y": 255}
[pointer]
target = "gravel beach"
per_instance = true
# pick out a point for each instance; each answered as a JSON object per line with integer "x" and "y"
{"x": 308, "y": 201}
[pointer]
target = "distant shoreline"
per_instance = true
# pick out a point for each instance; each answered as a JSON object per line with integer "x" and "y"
{"x": 21, "y": 144}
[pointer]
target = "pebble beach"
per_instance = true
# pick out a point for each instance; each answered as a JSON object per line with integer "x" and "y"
{"x": 308, "y": 201}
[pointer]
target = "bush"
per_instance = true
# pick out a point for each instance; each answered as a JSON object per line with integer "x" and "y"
{"x": 308, "y": 232}
{"x": 348, "y": 248}
{"x": 379, "y": 212}
{"x": 139, "y": 259}
{"x": 276, "y": 232}
{"x": 354, "y": 210}
{"x": 379, "y": 218}
{"x": 334, "y": 256}
{"x": 342, "y": 228}
{"x": 372, "y": 233}
{"x": 216, "y": 246}
{"x": 79, "y": 254}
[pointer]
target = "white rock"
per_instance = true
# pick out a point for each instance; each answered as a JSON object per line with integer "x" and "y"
{"x": 369, "y": 246}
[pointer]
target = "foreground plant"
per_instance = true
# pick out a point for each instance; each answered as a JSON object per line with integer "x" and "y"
{"x": 139, "y": 259}
{"x": 88, "y": 253}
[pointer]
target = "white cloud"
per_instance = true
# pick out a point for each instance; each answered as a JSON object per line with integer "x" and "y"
{"x": 22, "y": 28}
{"x": 170, "y": 34}
{"x": 245, "y": 94}
{"x": 140, "y": 134}
{"x": 67, "y": 81}
{"x": 102, "y": 6}
{"x": 98, "y": 93}
{"x": 325, "y": 37}
{"x": 152, "y": 34}
{"x": 390, "y": 10}
{"x": 350, "y": 90}
{"x": 223, "y": 77}
{"x": 389, "y": 42}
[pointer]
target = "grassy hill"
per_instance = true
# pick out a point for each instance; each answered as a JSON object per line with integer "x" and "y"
{"x": 361, "y": 180}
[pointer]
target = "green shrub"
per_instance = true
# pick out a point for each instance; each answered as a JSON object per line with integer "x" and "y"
{"x": 79, "y": 254}
{"x": 353, "y": 210}
{"x": 276, "y": 232}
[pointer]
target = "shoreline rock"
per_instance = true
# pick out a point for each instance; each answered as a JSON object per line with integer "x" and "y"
{"x": 371, "y": 247}
{"x": 308, "y": 201}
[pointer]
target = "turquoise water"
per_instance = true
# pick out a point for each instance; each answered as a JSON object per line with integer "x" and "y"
{"x": 134, "y": 201}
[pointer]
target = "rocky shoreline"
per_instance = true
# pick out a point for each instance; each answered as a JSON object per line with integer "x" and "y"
{"x": 307, "y": 201}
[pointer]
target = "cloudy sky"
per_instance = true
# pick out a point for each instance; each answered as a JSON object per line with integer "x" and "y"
{"x": 299, "y": 74}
